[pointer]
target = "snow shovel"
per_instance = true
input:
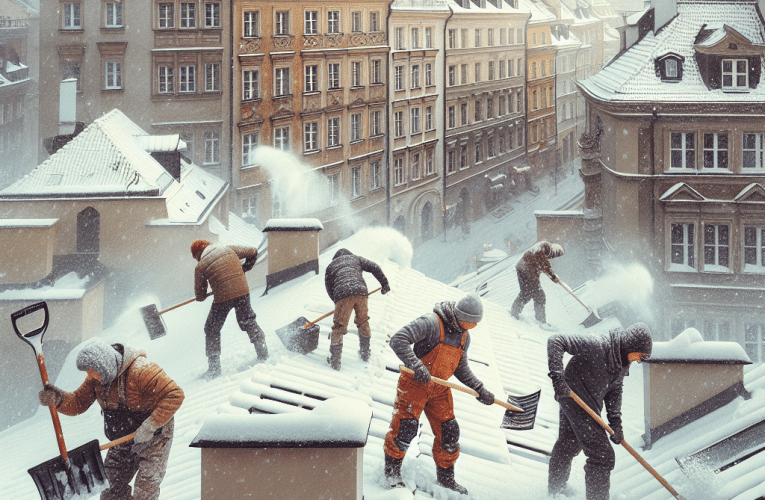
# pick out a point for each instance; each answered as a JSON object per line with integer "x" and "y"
{"x": 627, "y": 447}
{"x": 302, "y": 335}
{"x": 79, "y": 471}
{"x": 510, "y": 420}
{"x": 590, "y": 320}
{"x": 152, "y": 317}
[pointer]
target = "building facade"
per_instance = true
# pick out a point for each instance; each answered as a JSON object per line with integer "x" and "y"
{"x": 566, "y": 98}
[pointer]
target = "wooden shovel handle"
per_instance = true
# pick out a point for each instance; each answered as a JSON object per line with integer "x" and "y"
{"x": 569, "y": 290}
{"x": 626, "y": 445}
{"x": 116, "y": 442}
{"x": 53, "y": 411}
{"x": 332, "y": 311}
{"x": 176, "y": 306}
{"x": 462, "y": 388}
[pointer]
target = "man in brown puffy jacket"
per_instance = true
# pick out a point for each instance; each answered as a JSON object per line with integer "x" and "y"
{"x": 534, "y": 262}
{"x": 135, "y": 395}
{"x": 219, "y": 265}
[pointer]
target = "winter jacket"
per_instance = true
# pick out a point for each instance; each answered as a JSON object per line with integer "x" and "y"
{"x": 220, "y": 265}
{"x": 148, "y": 388}
{"x": 536, "y": 260}
{"x": 343, "y": 277}
{"x": 419, "y": 337}
{"x": 599, "y": 364}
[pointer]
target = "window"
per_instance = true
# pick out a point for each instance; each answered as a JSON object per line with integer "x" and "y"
{"x": 311, "y": 22}
{"x": 510, "y": 134}
{"x": 490, "y": 147}
{"x": 398, "y": 80}
{"x": 543, "y": 67}
{"x": 450, "y": 161}
{"x": 534, "y": 69}
{"x": 716, "y": 247}
{"x": 464, "y": 38}
{"x": 535, "y": 99}
{"x": 333, "y": 21}
{"x": 188, "y": 138}
{"x": 188, "y": 15}
{"x": 491, "y": 70}
{"x": 478, "y": 151}
{"x": 501, "y": 142}
{"x": 356, "y": 79}
{"x": 282, "y": 22}
{"x": 544, "y": 38}
{"x": 734, "y": 74}
{"x": 398, "y": 123}
{"x": 452, "y": 117}
{"x": 429, "y": 167}
{"x": 212, "y": 15}
{"x": 670, "y": 68}
{"x": 333, "y": 188}
{"x": 375, "y": 71}
{"x": 374, "y": 22}
{"x": 463, "y": 113}
{"x": 519, "y": 66}
{"x": 415, "y": 38}
{"x": 416, "y": 76}
{"x": 73, "y": 17}
{"x": 398, "y": 171}
{"x": 334, "y": 75}
{"x": 489, "y": 108}
{"x": 250, "y": 207}
{"x": 452, "y": 39}
{"x": 375, "y": 123}
{"x": 113, "y": 75}
{"x": 312, "y": 78}
{"x": 333, "y": 131}
{"x": 463, "y": 157}
{"x": 355, "y": 181}
{"x": 187, "y": 79}
{"x": 477, "y": 72}
{"x": 533, "y": 39}
{"x": 716, "y": 150}
{"x": 282, "y": 138}
{"x": 510, "y": 68}
{"x": 249, "y": 143}
{"x": 752, "y": 152}
{"x": 415, "y": 123}
{"x": 113, "y": 15}
{"x": 452, "y": 76}
{"x": 754, "y": 249}
{"x": 428, "y": 38}
{"x": 520, "y": 137}
{"x": 463, "y": 75}
{"x": 477, "y": 37}
{"x": 544, "y": 98}
{"x": 429, "y": 118}
{"x": 374, "y": 175}
{"x": 282, "y": 81}
{"x": 682, "y": 150}
{"x": 478, "y": 110}
{"x": 251, "y": 24}
{"x": 428, "y": 75}
{"x": 400, "y": 38}
{"x": 681, "y": 245}
{"x": 356, "y": 21}
{"x": 212, "y": 147}
{"x": 490, "y": 37}
{"x": 311, "y": 137}
{"x": 166, "y": 80}
{"x": 754, "y": 341}
{"x": 510, "y": 102}
{"x": 356, "y": 127}
{"x": 416, "y": 166}
{"x": 212, "y": 77}
{"x": 250, "y": 85}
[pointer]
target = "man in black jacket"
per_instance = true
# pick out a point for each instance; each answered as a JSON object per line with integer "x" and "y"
{"x": 346, "y": 287}
{"x": 596, "y": 374}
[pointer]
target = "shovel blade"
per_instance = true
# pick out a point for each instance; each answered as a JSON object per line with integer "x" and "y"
{"x": 590, "y": 320}
{"x": 298, "y": 339}
{"x": 83, "y": 475}
{"x": 516, "y": 421}
{"x": 154, "y": 322}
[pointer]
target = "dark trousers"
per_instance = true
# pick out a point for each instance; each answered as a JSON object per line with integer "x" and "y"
{"x": 580, "y": 432}
{"x": 245, "y": 316}
{"x": 531, "y": 289}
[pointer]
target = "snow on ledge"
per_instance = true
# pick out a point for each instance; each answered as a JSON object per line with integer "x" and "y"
{"x": 690, "y": 347}
{"x": 18, "y": 223}
{"x": 293, "y": 225}
{"x": 335, "y": 423}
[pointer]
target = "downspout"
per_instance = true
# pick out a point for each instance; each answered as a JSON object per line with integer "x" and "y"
{"x": 231, "y": 103}
{"x": 386, "y": 146}
{"x": 526, "y": 92}
{"x": 444, "y": 124}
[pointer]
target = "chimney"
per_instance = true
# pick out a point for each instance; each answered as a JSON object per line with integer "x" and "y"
{"x": 67, "y": 106}
{"x": 293, "y": 249}
{"x": 686, "y": 379}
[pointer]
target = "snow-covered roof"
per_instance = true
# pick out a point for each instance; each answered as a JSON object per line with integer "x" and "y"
{"x": 419, "y": 5}
{"x": 305, "y": 224}
{"x": 487, "y": 9}
{"x": 689, "y": 347}
{"x": 632, "y": 76}
{"x": 539, "y": 11}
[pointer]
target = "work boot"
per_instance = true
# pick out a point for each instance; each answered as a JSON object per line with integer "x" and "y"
{"x": 258, "y": 339}
{"x": 335, "y": 352}
{"x": 445, "y": 478}
{"x": 213, "y": 370}
{"x": 364, "y": 351}
{"x": 393, "y": 472}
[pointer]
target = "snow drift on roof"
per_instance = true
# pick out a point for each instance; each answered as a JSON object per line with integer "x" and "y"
{"x": 689, "y": 347}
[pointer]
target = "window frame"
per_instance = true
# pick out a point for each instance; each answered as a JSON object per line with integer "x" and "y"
{"x": 251, "y": 86}
{"x": 333, "y": 22}
{"x": 718, "y": 154}
{"x": 356, "y": 181}
{"x": 187, "y": 79}
{"x": 310, "y": 137}
{"x": 734, "y": 74}
{"x": 210, "y": 67}
{"x": 281, "y": 23}
{"x": 281, "y": 140}
{"x": 282, "y": 81}
{"x": 720, "y": 249}
{"x": 311, "y": 22}
{"x": 71, "y": 16}
{"x": 756, "y": 247}
{"x": 248, "y": 148}
{"x": 311, "y": 78}
{"x": 355, "y": 127}
{"x": 212, "y": 15}
{"x": 115, "y": 73}
{"x": 757, "y": 152}
{"x": 334, "y": 81}
{"x": 212, "y": 147}
{"x": 187, "y": 21}
{"x": 681, "y": 244}
{"x": 251, "y": 24}
{"x": 115, "y": 19}
{"x": 333, "y": 132}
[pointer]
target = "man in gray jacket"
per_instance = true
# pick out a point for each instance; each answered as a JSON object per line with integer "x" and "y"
{"x": 346, "y": 287}
{"x": 596, "y": 374}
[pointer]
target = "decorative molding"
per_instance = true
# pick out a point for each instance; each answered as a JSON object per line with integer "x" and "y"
{"x": 335, "y": 39}
{"x": 283, "y": 41}
{"x": 313, "y": 41}
{"x": 250, "y": 45}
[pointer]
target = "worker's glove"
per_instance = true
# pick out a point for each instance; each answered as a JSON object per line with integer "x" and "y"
{"x": 555, "y": 278}
{"x": 485, "y": 396}
{"x": 249, "y": 263}
{"x": 560, "y": 387}
{"x": 385, "y": 289}
{"x": 51, "y": 396}
{"x": 421, "y": 373}
{"x": 618, "y": 434}
{"x": 145, "y": 432}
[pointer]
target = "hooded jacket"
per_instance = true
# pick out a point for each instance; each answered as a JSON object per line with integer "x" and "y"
{"x": 148, "y": 388}
{"x": 220, "y": 266}
{"x": 599, "y": 364}
{"x": 343, "y": 277}
{"x": 536, "y": 260}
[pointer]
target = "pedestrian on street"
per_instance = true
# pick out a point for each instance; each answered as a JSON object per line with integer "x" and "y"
{"x": 346, "y": 287}
{"x": 435, "y": 345}
{"x": 220, "y": 266}
{"x": 596, "y": 374}
{"x": 135, "y": 395}
{"x": 535, "y": 261}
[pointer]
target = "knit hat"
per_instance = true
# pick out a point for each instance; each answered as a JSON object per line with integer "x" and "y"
{"x": 198, "y": 247}
{"x": 469, "y": 309}
{"x": 102, "y": 358}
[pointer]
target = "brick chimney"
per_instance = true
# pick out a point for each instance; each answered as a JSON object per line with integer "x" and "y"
{"x": 293, "y": 249}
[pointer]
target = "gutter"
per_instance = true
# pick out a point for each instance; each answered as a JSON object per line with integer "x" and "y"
{"x": 231, "y": 100}
{"x": 444, "y": 124}
{"x": 386, "y": 145}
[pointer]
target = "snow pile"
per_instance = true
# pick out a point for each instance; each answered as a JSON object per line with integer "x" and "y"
{"x": 630, "y": 284}
{"x": 378, "y": 244}
{"x": 690, "y": 346}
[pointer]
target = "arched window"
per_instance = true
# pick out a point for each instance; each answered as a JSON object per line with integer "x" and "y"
{"x": 427, "y": 221}
{"x": 88, "y": 231}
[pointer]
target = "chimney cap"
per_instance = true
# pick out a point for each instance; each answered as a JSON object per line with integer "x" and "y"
{"x": 308, "y": 224}
{"x": 689, "y": 347}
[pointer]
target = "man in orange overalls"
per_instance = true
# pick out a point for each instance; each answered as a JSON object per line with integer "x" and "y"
{"x": 434, "y": 344}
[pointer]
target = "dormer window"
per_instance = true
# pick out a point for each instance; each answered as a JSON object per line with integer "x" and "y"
{"x": 735, "y": 75}
{"x": 669, "y": 67}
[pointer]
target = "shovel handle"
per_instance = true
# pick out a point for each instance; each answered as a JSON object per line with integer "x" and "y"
{"x": 626, "y": 446}
{"x": 569, "y": 290}
{"x": 332, "y": 311}
{"x": 116, "y": 442}
{"x": 462, "y": 388}
{"x": 53, "y": 411}
{"x": 176, "y": 306}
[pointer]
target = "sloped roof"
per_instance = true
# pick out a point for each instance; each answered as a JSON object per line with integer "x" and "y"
{"x": 539, "y": 11}
{"x": 632, "y": 77}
